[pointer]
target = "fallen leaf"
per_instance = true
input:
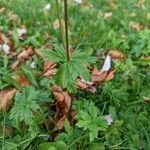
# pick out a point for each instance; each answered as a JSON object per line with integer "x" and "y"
{"x": 23, "y": 81}
{"x": 23, "y": 55}
{"x": 110, "y": 75}
{"x": 115, "y": 54}
{"x": 4, "y": 39}
{"x": 82, "y": 85}
{"x": 49, "y": 69}
{"x": 63, "y": 103}
{"x": 26, "y": 53}
{"x": 15, "y": 65}
{"x": 89, "y": 86}
{"x": 6, "y": 97}
{"x": 99, "y": 77}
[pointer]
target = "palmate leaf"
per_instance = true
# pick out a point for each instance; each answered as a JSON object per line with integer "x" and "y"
{"x": 81, "y": 70}
{"x": 90, "y": 120}
{"x": 66, "y": 77}
{"x": 25, "y": 104}
{"x": 69, "y": 71}
{"x": 56, "y": 55}
{"x": 82, "y": 57}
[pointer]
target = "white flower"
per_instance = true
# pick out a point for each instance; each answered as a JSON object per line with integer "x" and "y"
{"x": 108, "y": 119}
{"x": 6, "y": 48}
{"x": 78, "y": 1}
{"x": 33, "y": 65}
{"x": 47, "y": 7}
{"x": 21, "y": 32}
{"x": 107, "y": 64}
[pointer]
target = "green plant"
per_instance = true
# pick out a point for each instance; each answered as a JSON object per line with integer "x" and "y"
{"x": 93, "y": 28}
{"x": 91, "y": 120}
{"x": 69, "y": 71}
{"x": 25, "y": 106}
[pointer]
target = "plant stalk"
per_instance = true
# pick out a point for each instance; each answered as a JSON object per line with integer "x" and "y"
{"x": 66, "y": 28}
{"x": 60, "y": 23}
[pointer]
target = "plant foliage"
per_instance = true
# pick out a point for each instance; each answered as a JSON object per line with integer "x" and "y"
{"x": 69, "y": 71}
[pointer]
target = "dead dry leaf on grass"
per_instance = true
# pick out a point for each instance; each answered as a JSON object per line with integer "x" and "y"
{"x": 110, "y": 75}
{"x": 101, "y": 76}
{"x": 15, "y": 65}
{"x": 82, "y": 84}
{"x": 115, "y": 54}
{"x": 26, "y": 53}
{"x": 63, "y": 103}
{"x": 98, "y": 76}
{"x": 49, "y": 68}
{"x": 105, "y": 74}
{"x": 23, "y": 81}
{"x": 56, "y": 24}
{"x": 6, "y": 97}
{"x": 4, "y": 39}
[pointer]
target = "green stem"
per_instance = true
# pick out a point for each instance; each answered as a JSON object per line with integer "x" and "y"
{"x": 60, "y": 23}
{"x": 66, "y": 28}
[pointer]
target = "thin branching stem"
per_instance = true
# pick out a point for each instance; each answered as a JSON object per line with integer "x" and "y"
{"x": 60, "y": 22}
{"x": 66, "y": 28}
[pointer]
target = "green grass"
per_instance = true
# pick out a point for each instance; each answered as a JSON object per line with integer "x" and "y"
{"x": 91, "y": 32}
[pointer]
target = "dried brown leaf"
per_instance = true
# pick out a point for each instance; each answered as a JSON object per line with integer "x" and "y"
{"x": 23, "y": 81}
{"x": 115, "y": 54}
{"x": 15, "y": 65}
{"x": 26, "y": 53}
{"x": 63, "y": 104}
{"x": 6, "y": 97}
{"x": 82, "y": 85}
{"x": 98, "y": 76}
{"x": 49, "y": 68}
{"x": 110, "y": 75}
